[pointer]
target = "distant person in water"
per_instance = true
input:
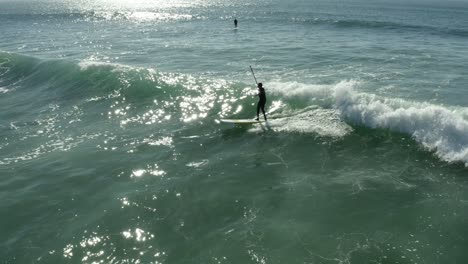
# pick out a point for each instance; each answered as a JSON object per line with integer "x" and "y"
{"x": 235, "y": 22}
{"x": 261, "y": 101}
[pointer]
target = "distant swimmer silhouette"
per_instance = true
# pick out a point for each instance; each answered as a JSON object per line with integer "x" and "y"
{"x": 235, "y": 22}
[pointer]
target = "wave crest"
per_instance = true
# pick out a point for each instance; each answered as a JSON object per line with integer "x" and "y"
{"x": 441, "y": 129}
{"x": 387, "y": 25}
{"x": 438, "y": 128}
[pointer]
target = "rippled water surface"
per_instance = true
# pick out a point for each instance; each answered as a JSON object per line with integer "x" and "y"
{"x": 111, "y": 148}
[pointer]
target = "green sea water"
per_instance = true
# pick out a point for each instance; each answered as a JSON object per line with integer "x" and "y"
{"x": 111, "y": 149}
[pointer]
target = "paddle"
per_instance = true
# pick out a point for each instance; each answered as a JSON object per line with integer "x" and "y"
{"x": 253, "y": 75}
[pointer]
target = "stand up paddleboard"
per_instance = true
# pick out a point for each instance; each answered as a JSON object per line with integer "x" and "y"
{"x": 241, "y": 121}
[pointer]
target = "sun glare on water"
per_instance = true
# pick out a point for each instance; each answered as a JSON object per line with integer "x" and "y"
{"x": 141, "y": 4}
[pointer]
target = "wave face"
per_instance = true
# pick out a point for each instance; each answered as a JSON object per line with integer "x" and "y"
{"x": 138, "y": 96}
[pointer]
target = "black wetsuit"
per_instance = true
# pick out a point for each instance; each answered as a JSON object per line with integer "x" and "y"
{"x": 261, "y": 102}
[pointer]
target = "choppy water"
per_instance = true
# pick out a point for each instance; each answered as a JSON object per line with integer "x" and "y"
{"x": 111, "y": 150}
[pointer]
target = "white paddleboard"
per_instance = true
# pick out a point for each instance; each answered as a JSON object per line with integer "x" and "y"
{"x": 241, "y": 121}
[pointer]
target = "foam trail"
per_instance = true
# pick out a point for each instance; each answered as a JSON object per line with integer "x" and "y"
{"x": 321, "y": 121}
{"x": 438, "y": 128}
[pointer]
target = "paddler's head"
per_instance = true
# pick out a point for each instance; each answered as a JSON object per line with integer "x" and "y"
{"x": 259, "y": 85}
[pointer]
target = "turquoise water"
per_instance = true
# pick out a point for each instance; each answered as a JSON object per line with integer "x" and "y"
{"x": 111, "y": 149}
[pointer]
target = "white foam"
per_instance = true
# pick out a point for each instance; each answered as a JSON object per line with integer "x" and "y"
{"x": 313, "y": 119}
{"x": 439, "y": 128}
{"x": 92, "y": 62}
{"x": 294, "y": 89}
{"x": 323, "y": 122}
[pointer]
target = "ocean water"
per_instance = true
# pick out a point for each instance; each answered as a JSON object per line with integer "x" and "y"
{"x": 111, "y": 149}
